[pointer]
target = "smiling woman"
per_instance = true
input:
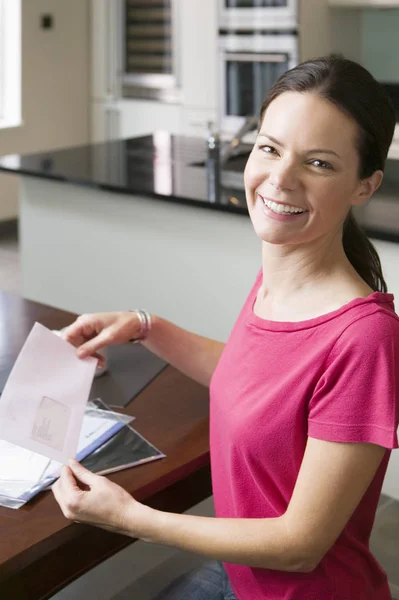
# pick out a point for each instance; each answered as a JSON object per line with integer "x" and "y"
{"x": 357, "y": 122}
{"x": 304, "y": 402}
{"x": 312, "y": 169}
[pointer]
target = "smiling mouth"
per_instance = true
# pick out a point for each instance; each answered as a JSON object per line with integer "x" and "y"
{"x": 281, "y": 209}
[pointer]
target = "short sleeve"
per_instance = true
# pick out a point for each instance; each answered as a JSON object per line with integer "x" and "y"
{"x": 357, "y": 398}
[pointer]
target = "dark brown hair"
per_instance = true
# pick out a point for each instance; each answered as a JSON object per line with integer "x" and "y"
{"x": 353, "y": 90}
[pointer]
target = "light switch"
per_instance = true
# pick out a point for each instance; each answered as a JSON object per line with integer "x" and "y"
{"x": 47, "y": 21}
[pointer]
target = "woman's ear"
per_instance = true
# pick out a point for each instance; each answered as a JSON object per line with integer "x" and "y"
{"x": 367, "y": 187}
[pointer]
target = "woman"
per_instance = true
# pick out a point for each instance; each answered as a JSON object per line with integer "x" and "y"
{"x": 304, "y": 396}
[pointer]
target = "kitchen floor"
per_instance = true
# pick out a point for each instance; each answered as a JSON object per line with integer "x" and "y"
{"x": 141, "y": 570}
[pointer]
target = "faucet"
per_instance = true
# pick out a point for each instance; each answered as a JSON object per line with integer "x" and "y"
{"x": 213, "y": 163}
{"x": 232, "y": 147}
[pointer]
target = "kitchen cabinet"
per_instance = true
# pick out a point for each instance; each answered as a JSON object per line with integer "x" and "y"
{"x": 199, "y": 57}
{"x": 195, "y": 30}
{"x": 105, "y": 121}
{"x": 139, "y": 117}
{"x": 131, "y": 118}
{"x": 106, "y": 50}
{"x": 106, "y": 60}
{"x": 199, "y": 66}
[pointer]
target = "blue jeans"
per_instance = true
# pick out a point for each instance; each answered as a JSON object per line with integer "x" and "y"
{"x": 208, "y": 582}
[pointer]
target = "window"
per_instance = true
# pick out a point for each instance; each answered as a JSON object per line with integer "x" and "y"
{"x": 10, "y": 63}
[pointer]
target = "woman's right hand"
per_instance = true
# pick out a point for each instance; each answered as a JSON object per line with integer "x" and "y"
{"x": 92, "y": 332}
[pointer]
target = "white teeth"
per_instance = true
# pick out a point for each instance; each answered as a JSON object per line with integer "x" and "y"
{"x": 281, "y": 208}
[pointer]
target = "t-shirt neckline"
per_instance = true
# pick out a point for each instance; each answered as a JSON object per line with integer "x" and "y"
{"x": 259, "y": 322}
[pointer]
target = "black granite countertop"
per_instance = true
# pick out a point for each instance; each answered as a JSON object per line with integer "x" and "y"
{"x": 166, "y": 167}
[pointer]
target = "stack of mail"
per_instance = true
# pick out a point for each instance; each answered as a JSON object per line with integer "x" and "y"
{"x": 42, "y": 409}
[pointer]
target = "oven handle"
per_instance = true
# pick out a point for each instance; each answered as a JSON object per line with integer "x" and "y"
{"x": 252, "y": 57}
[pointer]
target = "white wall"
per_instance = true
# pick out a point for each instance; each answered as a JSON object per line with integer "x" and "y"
{"x": 55, "y": 86}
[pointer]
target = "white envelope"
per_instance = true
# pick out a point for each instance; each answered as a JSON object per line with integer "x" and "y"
{"x": 43, "y": 402}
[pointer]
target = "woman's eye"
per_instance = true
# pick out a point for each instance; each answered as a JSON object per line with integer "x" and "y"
{"x": 321, "y": 163}
{"x": 268, "y": 149}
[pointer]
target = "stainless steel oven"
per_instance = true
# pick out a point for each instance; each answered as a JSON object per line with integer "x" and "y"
{"x": 258, "y": 14}
{"x": 250, "y": 65}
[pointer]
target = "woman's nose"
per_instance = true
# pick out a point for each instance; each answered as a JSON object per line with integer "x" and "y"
{"x": 283, "y": 176}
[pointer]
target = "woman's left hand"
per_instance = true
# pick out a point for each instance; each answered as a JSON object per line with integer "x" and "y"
{"x": 88, "y": 498}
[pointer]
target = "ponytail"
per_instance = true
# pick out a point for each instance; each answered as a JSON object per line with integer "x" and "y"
{"x": 362, "y": 254}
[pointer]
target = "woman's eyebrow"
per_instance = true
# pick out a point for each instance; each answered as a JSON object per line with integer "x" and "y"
{"x": 319, "y": 150}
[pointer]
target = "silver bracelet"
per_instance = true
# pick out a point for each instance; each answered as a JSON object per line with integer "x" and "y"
{"x": 145, "y": 325}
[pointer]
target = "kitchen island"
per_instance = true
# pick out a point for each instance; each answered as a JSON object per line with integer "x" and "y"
{"x": 128, "y": 224}
{"x": 134, "y": 223}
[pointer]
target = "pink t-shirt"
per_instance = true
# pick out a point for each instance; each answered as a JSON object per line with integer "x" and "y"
{"x": 334, "y": 377}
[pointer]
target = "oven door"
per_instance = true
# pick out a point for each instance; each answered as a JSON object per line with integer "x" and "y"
{"x": 258, "y": 14}
{"x": 248, "y": 71}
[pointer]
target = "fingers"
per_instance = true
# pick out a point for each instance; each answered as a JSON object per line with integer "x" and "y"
{"x": 90, "y": 348}
{"x": 67, "y": 492}
{"x": 71, "y": 488}
{"x": 81, "y": 473}
{"x": 88, "y": 498}
{"x": 88, "y": 333}
{"x": 101, "y": 360}
{"x": 69, "y": 483}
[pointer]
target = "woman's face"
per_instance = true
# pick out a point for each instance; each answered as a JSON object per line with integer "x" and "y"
{"x": 305, "y": 157}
